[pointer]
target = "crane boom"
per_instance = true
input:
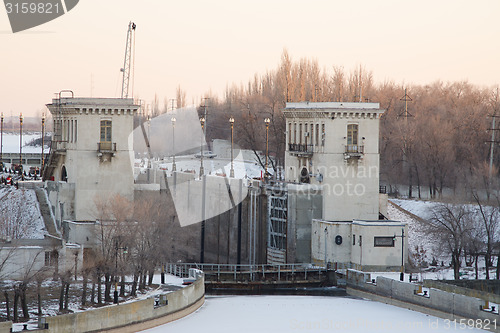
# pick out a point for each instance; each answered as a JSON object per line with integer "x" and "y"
{"x": 128, "y": 59}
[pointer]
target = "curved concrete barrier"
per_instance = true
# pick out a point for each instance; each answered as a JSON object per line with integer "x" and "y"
{"x": 132, "y": 316}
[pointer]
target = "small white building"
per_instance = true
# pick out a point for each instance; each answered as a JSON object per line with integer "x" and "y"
{"x": 91, "y": 154}
{"x": 367, "y": 245}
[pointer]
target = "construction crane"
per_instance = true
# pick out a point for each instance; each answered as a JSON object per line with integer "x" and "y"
{"x": 127, "y": 64}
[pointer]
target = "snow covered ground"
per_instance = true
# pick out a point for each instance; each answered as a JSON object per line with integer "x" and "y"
{"x": 11, "y": 143}
{"x": 249, "y": 314}
{"x": 429, "y": 247}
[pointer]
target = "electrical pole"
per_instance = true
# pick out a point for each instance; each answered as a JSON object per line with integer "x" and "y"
{"x": 406, "y": 114}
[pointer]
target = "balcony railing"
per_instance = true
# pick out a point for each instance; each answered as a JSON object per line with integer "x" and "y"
{"x": 354, "y": 149}
{"x": 106, "y": 147}
{"x": 300, "y": 148}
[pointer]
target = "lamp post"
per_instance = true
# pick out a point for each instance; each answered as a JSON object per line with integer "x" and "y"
{"x": 202, "y": 121}
{"x": 124, "y": 248}
{"x": 21, "y": 141}
{"x": 402, "y": 274}
{"x": 43, "y": 142}
{"x": 1, "y": 139}
{"x": 267, "y": 121}
{"x": 231, "y": 121}
{"x": 173, "y": 144}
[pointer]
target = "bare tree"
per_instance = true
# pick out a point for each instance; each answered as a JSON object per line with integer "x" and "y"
{"x": 449, "y": 224}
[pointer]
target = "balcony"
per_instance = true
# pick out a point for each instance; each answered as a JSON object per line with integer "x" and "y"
{"x": 300, "y": 149}
{"x": 353, "y": 151}
{"x": 105, "y": 149}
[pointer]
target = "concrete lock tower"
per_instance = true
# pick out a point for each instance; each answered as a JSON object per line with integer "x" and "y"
{"x": 335, "y": 145}
{"x": 91, "y": 154}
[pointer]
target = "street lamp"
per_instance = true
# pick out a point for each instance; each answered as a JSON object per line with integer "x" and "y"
{"x": 124, "y": 248}
{"x": 43, "y": 141}
{"x": 231, "y": 121}
{"x": 267, "y": 121}
{"x": 402, "y": 274}
{"x": 173, "y": 144}
{"x": 21, "y": 141}
{"x": 202, "y": 121}
{"x": 1, "y": 140}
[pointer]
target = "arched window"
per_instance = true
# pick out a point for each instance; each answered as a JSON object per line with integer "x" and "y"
{"x": 64, "y": 174}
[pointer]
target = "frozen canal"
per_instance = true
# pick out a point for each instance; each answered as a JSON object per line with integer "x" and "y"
{"x": 248, "y": 314}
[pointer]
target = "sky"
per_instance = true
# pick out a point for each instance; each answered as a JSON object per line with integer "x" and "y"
{"x": 204, "y": 46}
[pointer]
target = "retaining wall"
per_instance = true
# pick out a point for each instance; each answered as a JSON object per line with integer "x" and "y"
{"x": 130, "y": 317}
{"x": 440, "y": 303}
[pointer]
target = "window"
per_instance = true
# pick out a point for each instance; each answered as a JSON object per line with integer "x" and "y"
{"x": 323, "y": 134}
{"x": 76, "y": 130}
{"x": 300, "y": 134}
{"x": 294, "y": 132}
{"x": 360, "y": 238}
{"x": 353, "y": 239}
{"x": 105, "y": 130}
{"x": 383, "y": 241}
{"x": 311, "y": 133}
{"x": 352, "y": 134}
{"x": 317, "y": 134}
{"x": 289, "y": 133}
{"x": 51, "y": 258}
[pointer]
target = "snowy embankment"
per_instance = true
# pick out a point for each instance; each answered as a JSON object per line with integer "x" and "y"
{"x": 304, "y": 314}
{"x": 20, "y": 214}
{"x": 429, "y": 248}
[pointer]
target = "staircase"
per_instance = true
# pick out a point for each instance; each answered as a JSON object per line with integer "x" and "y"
{"x": 46, "y": 212}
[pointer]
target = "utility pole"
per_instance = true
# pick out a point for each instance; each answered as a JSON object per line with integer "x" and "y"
{"x": 493, "y": 130}
{"x": 402, "y": 274}
{"x": 406, "y": 114}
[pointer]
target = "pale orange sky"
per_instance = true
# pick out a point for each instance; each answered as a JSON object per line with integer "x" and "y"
{"x": 205, "y": 45}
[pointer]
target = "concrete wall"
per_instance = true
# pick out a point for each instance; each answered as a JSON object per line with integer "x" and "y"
{"x": 437, "y": 302}
{"x": 334, "y": 252}
{"x": 304, "y": 204}
{"x": 61, "y": 197}
{"x": 131, "y": 317}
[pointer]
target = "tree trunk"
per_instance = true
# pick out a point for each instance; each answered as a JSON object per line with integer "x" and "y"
{"x": 133, "y": 292}
{"x": 476, "y": 267}
{"x": 107, "y": 288}
{"x": 122, "y": 286}
{"x": 151, "y": 275}
{"x": 7, "y": 305}
{"x": 39, "y": 298}
{"x": 92, "y": 293}
{"x": 61, "y": 296}
{"x": 487, "y": 259}
{"x": 99, "y": 289}
{"x": 16, "y": 297}
{"x": 66, "y": 296}
{"x": 498, "y": 267}
{"x": 84, "y": 289}
{"x": 24, "y": 303}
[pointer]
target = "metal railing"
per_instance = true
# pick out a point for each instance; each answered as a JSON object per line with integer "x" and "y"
{"x": 106, "y": 147}
{"x": 250, "y": 271}
{"x": 300, "y": 148}
{"x": 354, "y": 149}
